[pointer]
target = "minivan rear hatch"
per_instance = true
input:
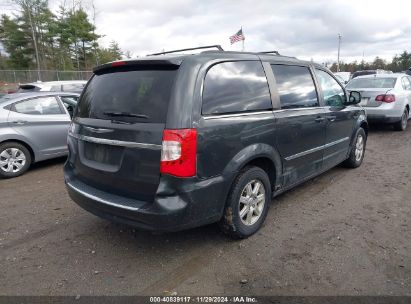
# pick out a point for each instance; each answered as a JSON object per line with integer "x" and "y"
{"x": 115, "y": 140}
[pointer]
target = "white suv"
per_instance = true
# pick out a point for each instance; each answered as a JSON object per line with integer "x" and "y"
{"x": 74, "y": 86}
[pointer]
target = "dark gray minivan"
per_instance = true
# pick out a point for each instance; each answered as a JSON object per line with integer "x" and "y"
{"x": 177, "y": 141}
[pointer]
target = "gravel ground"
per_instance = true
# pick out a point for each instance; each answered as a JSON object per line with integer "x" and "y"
{"x": 346, "y": 232}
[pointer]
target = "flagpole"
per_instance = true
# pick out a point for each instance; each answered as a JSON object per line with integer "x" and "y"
{"x": 243, "y": 39}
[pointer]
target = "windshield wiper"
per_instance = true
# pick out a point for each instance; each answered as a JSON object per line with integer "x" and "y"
{"x": 125, "y": 114}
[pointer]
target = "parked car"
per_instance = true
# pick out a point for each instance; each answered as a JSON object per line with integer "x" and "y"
{"x": 369, "y": 72}
{"x": 386, "y": 98}
{"x": 33, "y": 127}
{"x": 408, "y": 72}
{"x": 343, "y": 77}
{"x": 74, "y": 86}
{"x": 172, "y": 142}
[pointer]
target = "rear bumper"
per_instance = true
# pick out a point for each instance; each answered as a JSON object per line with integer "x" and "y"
{"x": 178, "y": 205}
{"x": 387, "y": 112}
{"x": 382, "y": 118}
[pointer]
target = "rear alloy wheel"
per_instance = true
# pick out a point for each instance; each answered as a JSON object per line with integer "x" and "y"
{"x": 402, "y": 124}
{"x": 15, "y": 159}
{"x": 247, "y": 203}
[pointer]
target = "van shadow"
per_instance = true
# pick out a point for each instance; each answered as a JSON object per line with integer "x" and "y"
{"x": 149, "y": 245}
{"x": 380, "y": 128}
{"x": 45, "y": 164}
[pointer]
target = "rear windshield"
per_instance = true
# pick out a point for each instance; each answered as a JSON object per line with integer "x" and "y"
{"x": 372, "y": 83}
{"x": 141, "y": 95}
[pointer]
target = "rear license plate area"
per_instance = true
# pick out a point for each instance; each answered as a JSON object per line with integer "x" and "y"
{"x": 106, "y": 154}
{"x": 364, "y": 101}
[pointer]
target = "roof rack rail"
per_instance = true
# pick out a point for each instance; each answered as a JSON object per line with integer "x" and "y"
{"x": 270, "y": 52}
{"x": 189, "y": 49}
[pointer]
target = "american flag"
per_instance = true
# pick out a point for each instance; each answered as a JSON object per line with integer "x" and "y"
{"x": 237, "y": 37}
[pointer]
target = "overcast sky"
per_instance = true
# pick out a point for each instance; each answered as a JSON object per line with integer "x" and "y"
{"x": 305, "y": 29}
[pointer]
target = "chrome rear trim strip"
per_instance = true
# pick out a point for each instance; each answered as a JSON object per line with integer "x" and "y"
{"x": 316, "y": 149}
{"x": 217, "y": 116}
{"x": 100, "y": 200}
{"x": 111, "y": 142}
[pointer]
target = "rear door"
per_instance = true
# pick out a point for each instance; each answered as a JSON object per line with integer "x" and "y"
{"x": 43, "y": 122}
{"x": 118, "y": 127}
{"x": 340, "y": 119}
{"x": 300, "y": 123}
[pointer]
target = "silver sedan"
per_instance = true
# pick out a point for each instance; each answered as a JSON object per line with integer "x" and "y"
{"x": 385, "y": 97}
{"x": 33, "y": 127}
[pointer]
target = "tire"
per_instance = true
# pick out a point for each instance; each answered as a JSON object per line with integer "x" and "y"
{"x": 15, "y": 159}
{"x": 356, "y": 157}
{"x": 253, "y": 205}
{"x": 402, "y": 124}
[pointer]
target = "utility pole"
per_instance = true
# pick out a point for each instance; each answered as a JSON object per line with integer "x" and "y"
{"x": 28, "y": 7}
{"x": 338, "y": 56}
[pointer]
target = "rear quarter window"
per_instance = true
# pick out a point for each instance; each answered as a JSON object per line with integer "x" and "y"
{"x": 142, "y": 92}
{"x": 232, "y": 87}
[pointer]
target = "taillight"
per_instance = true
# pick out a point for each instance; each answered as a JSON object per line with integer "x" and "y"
{"x": 385, "y": 98}
{"x": 179, "y": 152}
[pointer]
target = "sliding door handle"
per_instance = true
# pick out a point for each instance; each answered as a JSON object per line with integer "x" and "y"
{"x": 319, "y": 119}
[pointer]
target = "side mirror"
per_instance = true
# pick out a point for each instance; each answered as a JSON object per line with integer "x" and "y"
{"x": 70, "y": 109}
{"x": 355, "y": 98}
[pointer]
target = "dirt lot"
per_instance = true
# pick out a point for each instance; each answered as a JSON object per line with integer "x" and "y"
{"x": 347, "y": 232}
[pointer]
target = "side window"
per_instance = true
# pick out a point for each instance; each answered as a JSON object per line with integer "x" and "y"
{"x": 232, "y": 87}
{"x": 333, "y": 93}
{"x": 70, "y": 102}
{"x": 38, "y": 106}
{"x": 406, "y": 84}
{"x": 295, "y": 86}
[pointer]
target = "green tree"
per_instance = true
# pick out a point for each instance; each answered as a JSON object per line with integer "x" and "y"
{"x": 35, "y": 37}
{"x": 16, "y": 43}
{"x": 112, "y": 53}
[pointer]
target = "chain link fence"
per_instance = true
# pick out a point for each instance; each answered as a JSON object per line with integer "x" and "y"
{"x": 24, "y": 76}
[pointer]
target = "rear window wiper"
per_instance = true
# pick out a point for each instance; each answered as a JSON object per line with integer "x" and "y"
{"x": 125, "y": 114}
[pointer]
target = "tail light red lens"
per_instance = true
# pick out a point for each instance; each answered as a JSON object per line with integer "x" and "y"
{"x": 118, "y": 63}
{"x": 379, "y": 98}
{"x": 388, "y": 98}
{"x": 179, "y": 152}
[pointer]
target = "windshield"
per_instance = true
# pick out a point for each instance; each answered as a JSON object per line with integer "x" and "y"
{"x": 129, "y": 96}
{"x": 372, "y": 83}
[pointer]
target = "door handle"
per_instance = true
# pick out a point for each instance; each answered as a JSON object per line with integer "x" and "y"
{"x": 319, "y": 119}
{"x": 19, "y": 122}
{"x": 331, "y": 117}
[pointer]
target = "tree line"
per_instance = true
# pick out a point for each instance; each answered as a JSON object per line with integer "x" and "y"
{"x": 399, "y": 63}
{"x": 36, "y": 38}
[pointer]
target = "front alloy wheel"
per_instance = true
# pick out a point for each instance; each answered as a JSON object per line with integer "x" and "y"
{"x": 359, "y": 148}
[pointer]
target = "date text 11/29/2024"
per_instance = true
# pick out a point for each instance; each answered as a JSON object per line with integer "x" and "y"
{"x": 202, "y": 299}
